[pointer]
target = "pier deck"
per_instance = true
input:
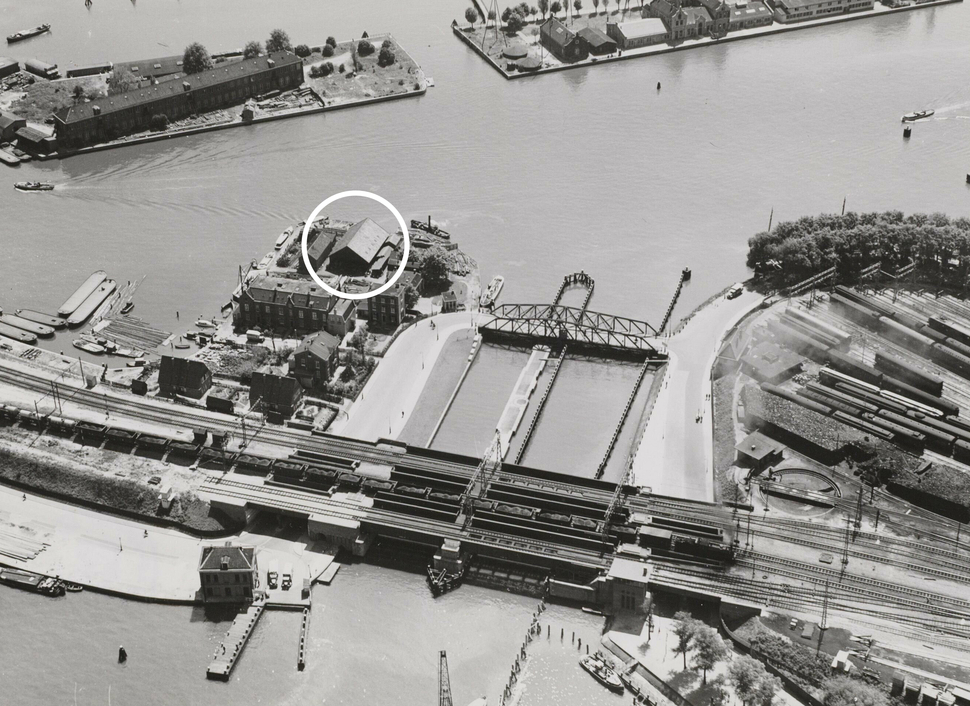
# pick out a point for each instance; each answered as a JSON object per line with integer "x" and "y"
{"x": 231, "y": 649}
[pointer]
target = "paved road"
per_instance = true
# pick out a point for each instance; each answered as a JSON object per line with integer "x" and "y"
{"x": 393, "y": 390}
{"x": 676, "y": 454}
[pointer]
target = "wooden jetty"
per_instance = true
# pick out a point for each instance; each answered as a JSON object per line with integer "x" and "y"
{"x": 229, "y": 652}
{"x": 304, "y": 631}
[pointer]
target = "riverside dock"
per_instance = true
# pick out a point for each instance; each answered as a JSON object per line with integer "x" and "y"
{"x": 231, "y": 649}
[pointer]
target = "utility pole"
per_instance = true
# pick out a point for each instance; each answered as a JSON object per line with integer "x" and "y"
{"x": 845, "y": 546}
{"x": 825, "y": 615}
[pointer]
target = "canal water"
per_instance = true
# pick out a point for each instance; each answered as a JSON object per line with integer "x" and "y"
{"x": 590, "y": 169}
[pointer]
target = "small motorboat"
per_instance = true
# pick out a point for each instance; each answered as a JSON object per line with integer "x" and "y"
{"x": 917, "y": 115}
{"x": 88, "y": 346}
{"x": 33, "y": 186}
{"x": 602, "y": 673}
{"x": 27, "y": 33}
{"x": 204, "y": 323}
{"x": 127, "y": 307}
{"x": 73, "y": 587}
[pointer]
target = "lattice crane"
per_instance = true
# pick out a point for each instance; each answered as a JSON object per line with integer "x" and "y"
{"x": 444, "y": 681}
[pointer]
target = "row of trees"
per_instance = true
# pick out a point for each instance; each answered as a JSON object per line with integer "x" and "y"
{"x": 196, "y": 57}
{"x": 515, "y": 17}
{"x": 795, "y": 250}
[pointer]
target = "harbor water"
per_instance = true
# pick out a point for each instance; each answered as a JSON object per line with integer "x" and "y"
{"x": 590, "y": 169}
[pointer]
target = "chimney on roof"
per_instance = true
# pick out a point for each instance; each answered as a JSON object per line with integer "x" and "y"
{"x": 186, "y": 86}
{"x": 96, "y": 109}
{"x": 270, "y": 63}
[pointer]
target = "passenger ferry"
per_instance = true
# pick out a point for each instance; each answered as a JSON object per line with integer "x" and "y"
{"x": 601, "y": 672}
{"x": 27, "y": 33}
{"x": 33, "y": 186}
{"x": 490, "y": 295}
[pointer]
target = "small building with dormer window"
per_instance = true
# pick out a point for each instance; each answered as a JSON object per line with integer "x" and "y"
{"x": 228, "y": 573}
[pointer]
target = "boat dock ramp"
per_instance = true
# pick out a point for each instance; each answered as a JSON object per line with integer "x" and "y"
{"x": 231, "y": 649}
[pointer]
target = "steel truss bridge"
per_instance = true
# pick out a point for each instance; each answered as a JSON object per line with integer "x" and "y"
{"x": 572, "y": 325}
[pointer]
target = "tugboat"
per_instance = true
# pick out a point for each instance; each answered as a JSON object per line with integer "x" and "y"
{"x": 18, "y": 578}
{"x": 601, "y": 672}
{"x": 126, "y": 309}
{"x": 917, "y": 115}
{"x": 27, "y": 33}
{"x": 33, "y": 186}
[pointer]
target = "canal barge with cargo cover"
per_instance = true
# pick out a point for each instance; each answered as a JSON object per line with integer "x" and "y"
{"x": 29, "y": 581}
{"x": 91, "y": 304}
{"x": 27, "y": 33}
{"x": 82, "y": 293}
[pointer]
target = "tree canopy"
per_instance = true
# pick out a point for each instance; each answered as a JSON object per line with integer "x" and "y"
{"x": 686, "y": 630}
{"x": 745, "y": 675}
{"x": 434, "y": 268}
{"x": 121, "y": 80}
{"x": 709, "y": 649}
{"x": 386, "y": 57}
{"x": 252, "y": 49}
{"x": 471, "y": 15}
{"x": 799, "y": 249}
{"x": 196, "y": 58}
{"x": 278, "y": 41}
{"x": 846, "y": 691}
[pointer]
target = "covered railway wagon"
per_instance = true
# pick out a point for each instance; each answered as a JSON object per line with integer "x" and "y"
{"x": 806, "y": 345}
{"x": 936, "y": 440}
{"x": 805, "y": 329}
{"x": 817, "y": 324}
{"x": 855, "y": 368}
{"x": 902, "y": 435}
{"x": 950, "y": 328}
{"x": 906, "y": 336}
{"x": 288, "y": 472}
{"x": 855, "y": 420}
{"x": 916, "y": 398}
{"x": 909, "y": 373}
{"x": 854, "y": 311}
{"x": 254, "y": 463}
{"x": 866, "y": 301}
{"x": 950, "y": 359}
{"x": 319, "y": 478}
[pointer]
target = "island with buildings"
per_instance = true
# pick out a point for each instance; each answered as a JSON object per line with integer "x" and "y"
{"x": 45, "y": 115}
{"x": 525, "y": 40}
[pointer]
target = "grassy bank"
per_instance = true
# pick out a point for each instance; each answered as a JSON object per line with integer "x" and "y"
{"x": 71, "y": 481}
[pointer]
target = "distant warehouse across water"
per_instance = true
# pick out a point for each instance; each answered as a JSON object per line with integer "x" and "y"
{"x": 231, "y": 83}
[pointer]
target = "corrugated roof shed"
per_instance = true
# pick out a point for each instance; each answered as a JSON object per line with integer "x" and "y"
{"x": 364, "y": 239}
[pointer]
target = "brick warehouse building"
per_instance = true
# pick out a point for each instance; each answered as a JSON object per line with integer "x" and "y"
{"x": 280, "y": 304}
{"x": 125, "y": 113}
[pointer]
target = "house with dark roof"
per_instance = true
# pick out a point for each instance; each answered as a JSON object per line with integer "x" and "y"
{"x": 319, "y": 246}
{"x": 598, "y": 42}
{"x": 230, "y": 83}
{"x": 449, "y": 302}
{"x": 342, "y": 318}
{"x": 33, "y": 141}
{"x": 9, "y": 124}
{"x": 183, "y": 376}
{"x": 316, "y": 359}
{"x": 563, "y": 43}
{"x": 228, "y": 573}
{"x": 358, "y": 248}
{"x": 278, "y": 396}
{"x": 759, "y": 452}
{"x": 288, "y": 305}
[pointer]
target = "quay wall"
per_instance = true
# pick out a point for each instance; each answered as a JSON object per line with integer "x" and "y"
{"x": 239, "y": 123}
{"x": 775, "y": 28}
